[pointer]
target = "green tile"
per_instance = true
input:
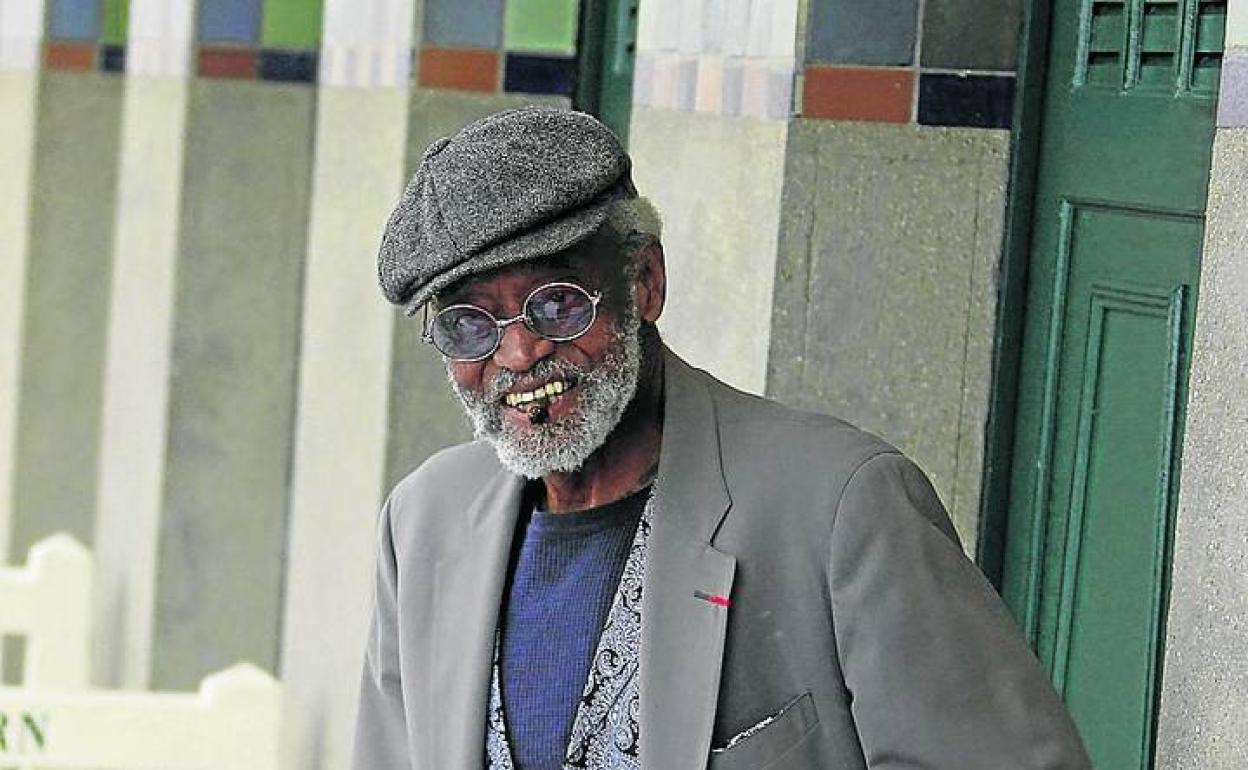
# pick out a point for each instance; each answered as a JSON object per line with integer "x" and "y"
{"x": 540, "y": 26}
{"x": 116, "y": 21}
{"x": 291, "y": 23}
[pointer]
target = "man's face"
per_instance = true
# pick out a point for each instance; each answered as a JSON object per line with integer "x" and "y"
{"x": 595, "y": 375}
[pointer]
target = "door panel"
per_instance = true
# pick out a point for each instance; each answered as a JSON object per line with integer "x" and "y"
{"x": 1124, "y": 146}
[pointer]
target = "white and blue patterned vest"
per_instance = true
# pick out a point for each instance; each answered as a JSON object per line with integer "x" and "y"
{"x": 606, "y": 733}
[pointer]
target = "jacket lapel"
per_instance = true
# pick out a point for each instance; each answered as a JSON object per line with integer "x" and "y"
{"x": 468, "y": 586}
{"x": 682, "y": 629}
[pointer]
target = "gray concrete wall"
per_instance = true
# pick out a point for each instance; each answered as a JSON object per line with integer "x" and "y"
{"x": 885, "y": 296}
{"x": 716, "y": 180}
{"x": 66, "y": 306}
{"x": 1204, "y": 703}
{"x": 232, "y": 392}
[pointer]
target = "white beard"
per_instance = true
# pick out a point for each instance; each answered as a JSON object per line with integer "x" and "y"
{"x": 564, "y": 444}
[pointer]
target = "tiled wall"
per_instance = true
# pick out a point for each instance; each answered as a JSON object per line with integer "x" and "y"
{"x": 728, "y": 57}
{"x": 84, "y": 35}
{"x": 248, "y": 39}
{"x": 265, "y": 39}
{"x": 931, "y": 62}
{"x": 516, "y": 46}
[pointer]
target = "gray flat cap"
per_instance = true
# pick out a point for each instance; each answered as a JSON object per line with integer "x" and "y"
{"x": 511, "y": 187}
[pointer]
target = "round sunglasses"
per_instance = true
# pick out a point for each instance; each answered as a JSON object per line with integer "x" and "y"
{"x": 557, "y": 311}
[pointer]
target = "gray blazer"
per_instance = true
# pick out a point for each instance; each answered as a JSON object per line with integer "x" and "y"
{"x": 855, "y": 620}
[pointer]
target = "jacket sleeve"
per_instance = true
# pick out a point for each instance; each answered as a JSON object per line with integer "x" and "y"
{"x": 939, "y": 675}
{"x": 380, "y": 730}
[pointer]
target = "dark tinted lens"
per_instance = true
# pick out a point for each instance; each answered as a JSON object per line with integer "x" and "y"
{"x": 464, "y": 332}
{"x": 560, "y": 311}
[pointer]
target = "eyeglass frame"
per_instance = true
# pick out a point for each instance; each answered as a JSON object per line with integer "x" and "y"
{"x": 501, "y": 325}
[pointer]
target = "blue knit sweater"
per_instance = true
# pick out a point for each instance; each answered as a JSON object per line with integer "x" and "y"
{"x": 562, "y": 582}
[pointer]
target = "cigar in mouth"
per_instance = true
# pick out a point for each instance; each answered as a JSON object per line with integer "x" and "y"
{"x": 538, "y": 414}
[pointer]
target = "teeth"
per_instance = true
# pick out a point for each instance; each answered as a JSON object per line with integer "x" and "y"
{"x": 546, "y": 391}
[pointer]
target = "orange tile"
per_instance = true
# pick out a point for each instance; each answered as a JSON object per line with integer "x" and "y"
{"x": 226, "y": 63}
{"x": 72, "y": 57}
{"x": 459, "y": 69}
{"x": 842, "y": 93}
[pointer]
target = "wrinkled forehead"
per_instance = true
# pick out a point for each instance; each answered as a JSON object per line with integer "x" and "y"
{"x": 594, "y": 262}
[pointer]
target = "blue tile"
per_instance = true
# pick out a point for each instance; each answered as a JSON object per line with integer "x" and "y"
{"x": 74, "y": 19}
{"x": 880, "y": 32}
{"x": 229, "y": 21}
{"x": 288, "y": 66}
{"x": 972, "y": 101}
{"x": 113, "y": 58}
{"x": 459, "y": 24}
{"x": 539, "y": 74}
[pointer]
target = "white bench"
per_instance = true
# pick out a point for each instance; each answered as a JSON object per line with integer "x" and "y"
{"x": 232, "y": 723}
{"x": 49, "y": 603}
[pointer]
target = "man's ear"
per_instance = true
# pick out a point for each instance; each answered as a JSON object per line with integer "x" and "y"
{"x": 651, "y": 282}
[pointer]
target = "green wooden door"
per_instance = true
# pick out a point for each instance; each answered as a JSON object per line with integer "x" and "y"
{"x": 1125, "y": 135}
{"x": 605, "y": 53}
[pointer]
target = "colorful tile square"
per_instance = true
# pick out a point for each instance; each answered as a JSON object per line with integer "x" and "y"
{"x": 971, "y": 34}
{"x": 1233, "y": 100}
{"x": 540, "y": 26}
{"x": 734, "y": 84}
{"x": 457, "y": 24}
{"x": 229, "y": 21}
{"x": 288, "y": 66}
{"x": 459, "y": 69}
{"x": 842, "y": 93}
{"x": 73, "y": 19}
{"x": 116, "y": 21}
{"x": 226, "y": 63}
{"x": 971, "y": 101}
{"x": 291, "y": 24}
{"x": 528, "y": 74}
{"x": 686, "y": 84}
{"x": 113, "y": 58}
{"x": 69, "y": 57}
{"x": 710, "y": 87}
{"x": 876, "y": 32}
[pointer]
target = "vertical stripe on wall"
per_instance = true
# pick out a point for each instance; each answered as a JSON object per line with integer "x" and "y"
{"x": 160, "y": 33}
{"x": 67, "y": 280}
{"x": 136, "y": 383}
{"x": 21, "y": 26}
{"x": 367, "y": 47}
{"x": 232, "y": 393}
{"x": 340, "y": 437}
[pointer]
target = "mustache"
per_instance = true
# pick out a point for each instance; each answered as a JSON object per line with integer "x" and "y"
{"x": 545, "y": 369}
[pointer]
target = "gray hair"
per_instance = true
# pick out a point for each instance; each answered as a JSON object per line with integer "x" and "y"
{"x": 637, "y": 224}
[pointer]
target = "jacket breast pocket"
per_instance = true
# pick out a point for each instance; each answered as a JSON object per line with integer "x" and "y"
{"x": 774, "y": 743}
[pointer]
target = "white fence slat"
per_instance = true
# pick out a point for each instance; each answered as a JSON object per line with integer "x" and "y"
{"x": 49, "y": 602}
{"x": 232, "y": 723}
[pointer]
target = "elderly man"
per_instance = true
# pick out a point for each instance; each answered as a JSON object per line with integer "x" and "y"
{"x": 634, "y": 565}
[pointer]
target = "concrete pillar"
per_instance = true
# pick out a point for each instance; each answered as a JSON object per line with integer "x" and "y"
{"x": 1204, "y": 699}
{"x": 344, "y": 378}
{"x": 134, "y": 432}
{"x": 21, "y": 31}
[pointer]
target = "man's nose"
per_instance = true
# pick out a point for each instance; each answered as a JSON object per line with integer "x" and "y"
{"x": 519, "y": 349}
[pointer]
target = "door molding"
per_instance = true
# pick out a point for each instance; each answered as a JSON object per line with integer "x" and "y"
{"x": 1007, "y": 343}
